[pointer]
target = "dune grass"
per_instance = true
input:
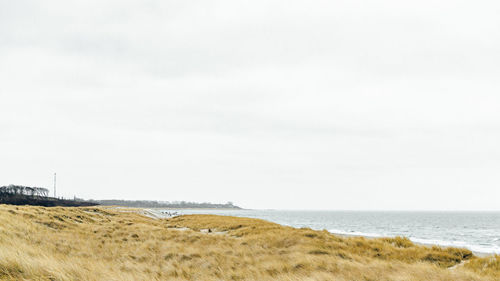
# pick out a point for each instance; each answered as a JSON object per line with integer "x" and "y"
{"x": 39, "y": 243}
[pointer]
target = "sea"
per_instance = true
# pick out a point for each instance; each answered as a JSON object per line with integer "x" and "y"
{"x": 476, "y": 231}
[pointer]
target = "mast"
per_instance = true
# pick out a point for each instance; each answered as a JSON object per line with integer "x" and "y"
{"x": 55, "y": 195}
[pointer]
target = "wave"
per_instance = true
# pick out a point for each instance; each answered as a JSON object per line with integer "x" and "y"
{"x": 357, "y": 233}
{"x": 483, "y": 249}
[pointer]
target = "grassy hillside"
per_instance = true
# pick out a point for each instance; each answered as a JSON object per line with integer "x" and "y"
{"x": 38, "y": 243}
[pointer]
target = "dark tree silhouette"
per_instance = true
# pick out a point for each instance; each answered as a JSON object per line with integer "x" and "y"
{"x": 23, "y": 190}
{"x": 26, "y": 195}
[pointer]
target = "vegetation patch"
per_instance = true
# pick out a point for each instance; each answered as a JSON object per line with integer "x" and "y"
{"x": 99, "y": 243}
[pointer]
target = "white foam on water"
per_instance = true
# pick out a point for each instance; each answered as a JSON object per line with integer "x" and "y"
{"x": 484, "y": 249}
{"x": 357, "y": 233}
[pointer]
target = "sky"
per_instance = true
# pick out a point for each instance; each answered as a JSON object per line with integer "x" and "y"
{"x": 338, "y": 105}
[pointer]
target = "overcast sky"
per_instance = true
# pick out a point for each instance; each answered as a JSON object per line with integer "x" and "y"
{"x": 291, "y": 104}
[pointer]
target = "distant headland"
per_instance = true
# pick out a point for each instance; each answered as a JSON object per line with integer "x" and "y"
{"x": 164, "y": 204}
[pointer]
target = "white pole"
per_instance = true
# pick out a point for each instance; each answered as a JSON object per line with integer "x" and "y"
{"x": 55, "y": 195}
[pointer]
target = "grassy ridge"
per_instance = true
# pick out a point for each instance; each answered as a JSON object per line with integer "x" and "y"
{"x": 39, "y": 243}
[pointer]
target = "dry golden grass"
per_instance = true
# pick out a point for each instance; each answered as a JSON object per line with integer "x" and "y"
{"x": 39, "y": 243}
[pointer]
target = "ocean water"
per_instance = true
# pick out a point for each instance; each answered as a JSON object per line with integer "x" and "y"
{"x": 477, "y": 231}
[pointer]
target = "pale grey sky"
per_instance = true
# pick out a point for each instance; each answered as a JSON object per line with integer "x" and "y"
{"x": 270, "y": 104}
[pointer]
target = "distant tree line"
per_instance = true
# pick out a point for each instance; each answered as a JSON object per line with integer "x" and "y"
{"x": 13, "y": 190}
{"x": 26, "y": 195}
{"x": 37, "y": 196}
{"x": 164, "y": 204}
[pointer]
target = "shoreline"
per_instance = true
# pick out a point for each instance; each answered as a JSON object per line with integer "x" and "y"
{"x": 476, "y": 253}
{"x": 154, "y": 213}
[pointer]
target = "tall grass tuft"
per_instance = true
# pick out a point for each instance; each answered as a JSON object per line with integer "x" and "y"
{"x": 38, "y": 243}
